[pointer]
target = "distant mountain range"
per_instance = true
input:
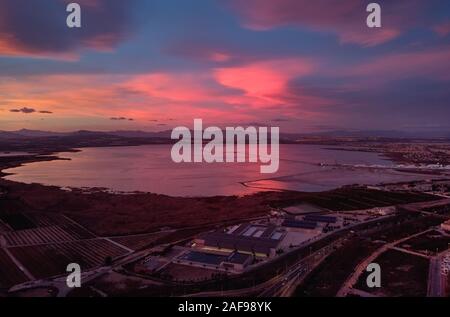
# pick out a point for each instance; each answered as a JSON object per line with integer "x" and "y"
{"x": 25, "y": 133}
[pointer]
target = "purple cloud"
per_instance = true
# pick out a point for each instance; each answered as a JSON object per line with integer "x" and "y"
{"x": 38, "y": 28}
{"x": 121, "y": 119}
{"x": 25, "y": 110}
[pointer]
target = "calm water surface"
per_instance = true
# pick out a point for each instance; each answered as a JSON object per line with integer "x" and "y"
{"x": 150, "y": 169}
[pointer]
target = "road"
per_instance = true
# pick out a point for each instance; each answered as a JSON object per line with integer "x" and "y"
{"x": 288, "y": 282}
{"x": 418, "y": 207}
{"x": 60, "y": 282}
{"x": 435, "y": 278}
{"x": 353, "y": 279}
{"x": 282, "y": 284}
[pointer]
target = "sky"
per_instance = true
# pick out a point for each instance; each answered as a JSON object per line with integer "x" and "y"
{"x": 152, "y": 65}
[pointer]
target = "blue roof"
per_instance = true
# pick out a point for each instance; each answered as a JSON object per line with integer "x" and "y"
{"x": 238, "y": 258}
{"x": 206, "y": 258}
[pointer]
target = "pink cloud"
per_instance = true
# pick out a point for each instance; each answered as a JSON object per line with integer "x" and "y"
{"x": 432, "y": 63}
{"x": 443, "y": 29}
{"x": 219, "y": 57}
{"x": 233, "y": 94}
{"x": 175, "y": 87}
{"x": 250, "y": 92}
{"x": 262, "y": 83}
{"x": 347, "y": 19}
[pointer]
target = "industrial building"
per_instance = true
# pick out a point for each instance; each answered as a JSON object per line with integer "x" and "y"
{"x": 256, "y": 240}
{"x": 319, "y": 218}
{"x": 238, "y": 261}
{"x": 234, "y": 261}
{"x": 289, "y": 223}
{"x": 234, "y": 248}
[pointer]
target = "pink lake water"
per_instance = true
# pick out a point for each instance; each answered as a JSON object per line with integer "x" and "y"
{"x": 150, "y": 169}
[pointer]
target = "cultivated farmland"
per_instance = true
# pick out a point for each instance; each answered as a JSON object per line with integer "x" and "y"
{"x": 10, "y": 274}
{"x": 45, "y": 229}
{"x": 139, "y": 241}
{"x": 52, "y": 259}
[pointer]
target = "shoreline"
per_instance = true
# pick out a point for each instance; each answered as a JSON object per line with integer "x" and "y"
{"x": 22, "y": 160}
{"x": 11, "y": 162}
{"x": 103, "y": 212}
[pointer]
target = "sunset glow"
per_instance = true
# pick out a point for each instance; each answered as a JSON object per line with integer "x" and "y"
{"x": 230, "y": 62}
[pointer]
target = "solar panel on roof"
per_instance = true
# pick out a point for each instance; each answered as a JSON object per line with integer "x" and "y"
{"x": 241, "y": 243}
{"x": 238, "y": 258}
{"x": 201, "y": 257}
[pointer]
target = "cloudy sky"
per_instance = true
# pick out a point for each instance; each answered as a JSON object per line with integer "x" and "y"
{"x": 154, "y": 64}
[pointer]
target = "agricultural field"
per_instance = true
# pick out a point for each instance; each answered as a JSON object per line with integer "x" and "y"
{"x": 407, "y": 227}
{"x": 10, "y": 274}
{"x": 46, "y": 229}
{"x": 429, "y": 243}
{"x": 16, "y": 221}
{"x": 360, "y": 198}
{"x": 115, "y": 284}
{"x": 139, "y": 241}
{"x": 44, "y": 235}
{"x": 328, "y": 277}
{"x": 4, "y": 227}
{"x": 46, "y": 243}
{"x": 184, "y": 273}
{"x": 52, "y": 259}
{"x": 402, "y": 274}
{"x": 442, "y": 210}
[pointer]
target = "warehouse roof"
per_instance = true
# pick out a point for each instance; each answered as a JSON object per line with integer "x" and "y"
{"x": 319, "y": 218}
{"x": 299, "y": 224}
{"x": 241, "y": 243}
